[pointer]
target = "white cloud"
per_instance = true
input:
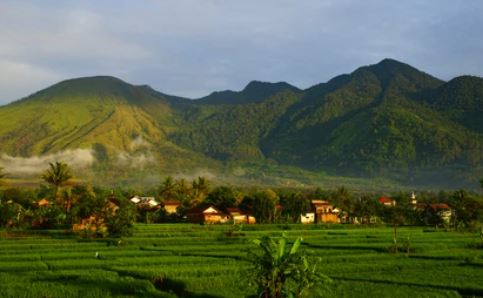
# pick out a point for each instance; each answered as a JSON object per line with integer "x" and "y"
{"x": 135, "y": 161}
{"x": 193, "y": 47}
{"x": 139, "y": 143}
{"x": 77, "y": 159}
{"x": 14, "y": 76}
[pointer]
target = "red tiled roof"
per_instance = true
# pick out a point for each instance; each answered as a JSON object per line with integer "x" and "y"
{"x": 43, "y": 202}
{"x": 320, "y": 202}
{"x": 201, "y": 209}
{"x": 172, "y": 202}
{"x": 440, "y": 206}
{"x": 385, "y": 200}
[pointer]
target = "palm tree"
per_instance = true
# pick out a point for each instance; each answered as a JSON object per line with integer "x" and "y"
{"x": 200, "y": 189}
{"x": 58, "y": 176}
{"x": 2, "y": 175}
{"x": 167, "y": 188}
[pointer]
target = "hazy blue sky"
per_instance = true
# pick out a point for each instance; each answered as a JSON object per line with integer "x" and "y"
{"x": 190, "y": 48}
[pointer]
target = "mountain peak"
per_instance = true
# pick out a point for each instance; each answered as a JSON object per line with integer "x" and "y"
{"x": 390, "y": 70}
{"x": 390, "y": 66}
{"x": 93, "y": 82}
{"x": 256, "y": 85}
{"x": 254, "y": 91}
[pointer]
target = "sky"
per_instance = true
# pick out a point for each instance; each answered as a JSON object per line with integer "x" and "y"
{"x": 193, "y": 47}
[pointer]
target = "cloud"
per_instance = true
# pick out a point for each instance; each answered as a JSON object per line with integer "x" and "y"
{"x": 135, "y": 160}
{"x": 15, "y": 75}
{"x": 139, "y": 143}
{"x": 192, "y": 47}
{"x": 77, "y": 159}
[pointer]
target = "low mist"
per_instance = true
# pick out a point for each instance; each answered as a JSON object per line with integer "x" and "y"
{"x": 77, "y": 159}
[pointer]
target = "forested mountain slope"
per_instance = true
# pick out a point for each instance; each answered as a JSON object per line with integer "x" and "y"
{"x": 387, "y": 117}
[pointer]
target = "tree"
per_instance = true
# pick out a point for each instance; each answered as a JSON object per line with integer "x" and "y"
{"x": 120, "y": 223}
{"x": 182, "y": 190}
{"x": 365, "y": 207}
{"x": 293, "y": 205}
{"x": 342, "y": 199}
{"x": 85, "y": 202}
{"x": 396, "y": 216}
{"x": 201, "y": 188}
{"x": 2, "y": 175}
{"x": 58, "y": 176}
{"x": 467, "y": 210}
{"x": 262, "y": 204}
{"x": 282, "y": 270}
{"x": 221, "y": 197}
{"x": 167, "y": 189}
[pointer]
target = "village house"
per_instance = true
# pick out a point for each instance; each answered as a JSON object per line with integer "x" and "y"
{"x": 390, "y": 202}
{"x": 144, "y": 202}
{"x": 307, "y": 218}
{"x": 43, "y": 203}
{"x": 440, "y": 209}
{"x": 444, "y": 211}
{"x": 207, "y": 215}
{"x": 241, "y": 217}
{"x": 171, "y": 206}
{"x": 324, "y": 212}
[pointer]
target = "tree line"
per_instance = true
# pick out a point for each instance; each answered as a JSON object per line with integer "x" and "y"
{"x": 69, "y": 202}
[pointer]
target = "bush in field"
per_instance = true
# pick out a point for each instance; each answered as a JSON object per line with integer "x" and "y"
{"x": 282, "y": 270}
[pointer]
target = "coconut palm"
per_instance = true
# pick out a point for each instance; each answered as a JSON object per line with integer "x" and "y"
{"x": 57, "y": 176}
{"x": 167, "y": 189}
{"x": 2, "y": 175}
{"x": 201, "y": 188}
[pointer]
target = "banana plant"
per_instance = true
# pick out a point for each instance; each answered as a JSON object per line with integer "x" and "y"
{"x": 282, "y": 270}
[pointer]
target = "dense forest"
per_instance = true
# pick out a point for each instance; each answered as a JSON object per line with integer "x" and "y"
{"x": 384, "y": 120}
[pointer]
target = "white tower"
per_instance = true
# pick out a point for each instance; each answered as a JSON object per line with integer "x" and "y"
{"x": 413, "y": 199}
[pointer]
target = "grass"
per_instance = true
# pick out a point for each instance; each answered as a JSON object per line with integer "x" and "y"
{"x": 181, "y": 260}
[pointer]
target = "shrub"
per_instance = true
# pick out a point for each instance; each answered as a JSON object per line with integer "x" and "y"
{"x": 284, "y": 271}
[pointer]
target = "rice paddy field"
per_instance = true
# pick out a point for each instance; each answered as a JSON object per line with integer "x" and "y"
{"x": 181, "y": 260}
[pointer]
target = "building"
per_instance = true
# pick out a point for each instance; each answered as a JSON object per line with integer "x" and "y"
{"x": 171, "y": 206}
{"x": 444, "y": 211}
{"x": 307, "y": 218}
{"x": 241, "y": 217}
{"x": 431, "y": 212}
{"x": 43, "y": 203}
{"x": 414, "y": 201}
{"x": 390, "y": 202}
{"x": 144, "y": 202}
{"x": 324, "y": 212}
{"x": 207, "y": 215}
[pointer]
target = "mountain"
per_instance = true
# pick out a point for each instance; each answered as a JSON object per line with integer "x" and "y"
{"x": 254, "y": 92}
{"x": 461, "y": 100}
{"x": 383, "y": 120}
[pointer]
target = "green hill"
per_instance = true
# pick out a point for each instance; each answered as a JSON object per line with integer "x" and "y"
{"x": 383, "y": 120}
